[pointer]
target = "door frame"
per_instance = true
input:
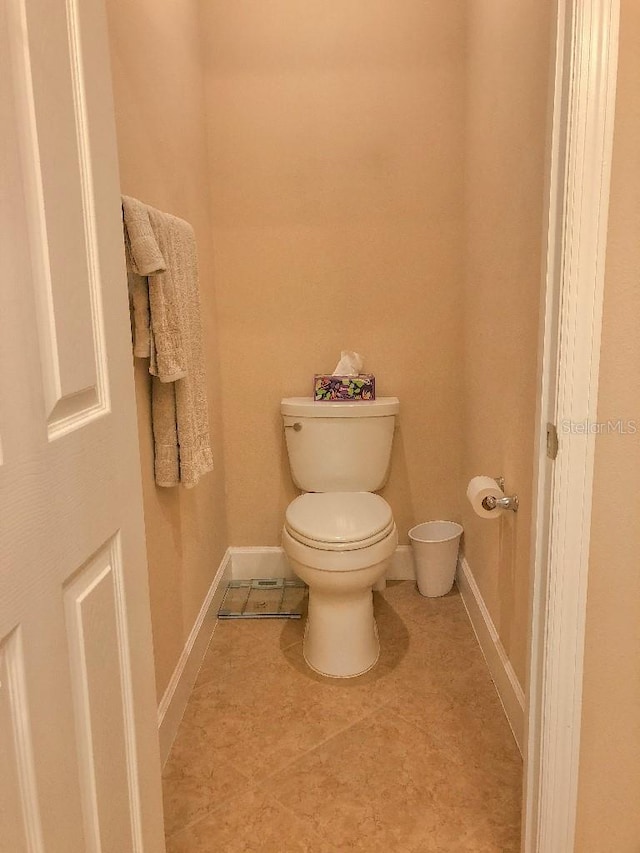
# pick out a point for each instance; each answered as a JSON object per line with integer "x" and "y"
{"x": 579, "y": 171}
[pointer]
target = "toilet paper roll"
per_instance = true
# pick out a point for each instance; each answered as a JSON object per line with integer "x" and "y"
{"x": 478, "y": 489}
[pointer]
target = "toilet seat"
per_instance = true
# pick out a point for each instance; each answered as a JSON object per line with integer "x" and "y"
{"x": 336, "y": 561}
{"x": 339, "y": 521}
{"x": 344, "y": 546}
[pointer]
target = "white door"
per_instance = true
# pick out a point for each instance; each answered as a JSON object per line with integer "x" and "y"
{"x": 79, "y": 765}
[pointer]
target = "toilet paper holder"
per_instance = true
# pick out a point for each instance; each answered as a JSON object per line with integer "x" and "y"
{"x": 507, "y": 502}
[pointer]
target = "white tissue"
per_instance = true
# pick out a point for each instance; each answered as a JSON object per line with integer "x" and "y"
{"x": 350, "y": 364}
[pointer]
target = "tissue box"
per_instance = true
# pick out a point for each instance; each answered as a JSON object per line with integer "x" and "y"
{"x": 361, "y": 387}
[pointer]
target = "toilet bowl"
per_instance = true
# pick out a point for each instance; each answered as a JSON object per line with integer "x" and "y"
{"x": 339, "y": 536}
{"x": 340, "y": 544}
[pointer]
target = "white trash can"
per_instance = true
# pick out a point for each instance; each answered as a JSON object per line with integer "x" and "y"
{"x": 435, "y": 552}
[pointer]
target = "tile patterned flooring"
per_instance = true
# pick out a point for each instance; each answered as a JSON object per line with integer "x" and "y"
{"x": 414, "y": 756}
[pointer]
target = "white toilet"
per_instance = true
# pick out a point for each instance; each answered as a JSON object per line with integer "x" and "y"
{"x": 339, "y": 536}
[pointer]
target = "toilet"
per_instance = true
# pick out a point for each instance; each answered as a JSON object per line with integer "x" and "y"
{"x": 339, "y": 536}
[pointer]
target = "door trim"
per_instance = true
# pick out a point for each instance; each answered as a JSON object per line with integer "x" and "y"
{"x": 578, "y": 194}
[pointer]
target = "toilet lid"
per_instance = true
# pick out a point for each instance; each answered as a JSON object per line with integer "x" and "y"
{"x": 339, "y": 519}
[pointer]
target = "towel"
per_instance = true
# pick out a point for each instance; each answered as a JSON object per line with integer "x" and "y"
{"x": 156, "y": 335}
{"x": 163, "y": 281}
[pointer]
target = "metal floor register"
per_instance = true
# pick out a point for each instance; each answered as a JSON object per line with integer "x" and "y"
{"x": 264, "y": 598}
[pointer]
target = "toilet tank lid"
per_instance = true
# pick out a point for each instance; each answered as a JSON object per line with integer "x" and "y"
{"x": 307, "y": 407}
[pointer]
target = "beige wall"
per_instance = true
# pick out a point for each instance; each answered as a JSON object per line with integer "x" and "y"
{"x": 508, "y": 72}
{"x": 336, "y": 144}
{"x": 339, "y": 138}
{"x": 158, "y": 80}
{"x": 609, "y": 789}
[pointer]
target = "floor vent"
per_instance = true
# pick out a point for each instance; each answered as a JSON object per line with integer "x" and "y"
{"x": 264, "y": 598}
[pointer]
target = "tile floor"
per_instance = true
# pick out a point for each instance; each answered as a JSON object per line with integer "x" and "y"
{"x": 414, "y": 756}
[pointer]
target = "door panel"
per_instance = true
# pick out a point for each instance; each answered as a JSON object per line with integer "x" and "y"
{"x": 20, "y": 826}
{"x": 49, "y": 78}
{"x": 99, "y": 653}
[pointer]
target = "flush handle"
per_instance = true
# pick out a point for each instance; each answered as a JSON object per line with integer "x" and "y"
{"x": 297, "y": 426}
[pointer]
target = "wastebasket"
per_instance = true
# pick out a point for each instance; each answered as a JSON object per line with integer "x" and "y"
{"x": 435, "y": 553}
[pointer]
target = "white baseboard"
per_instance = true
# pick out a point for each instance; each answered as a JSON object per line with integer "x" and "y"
{"x": 271, "y": 562}
{"x": 259, "y": 562}
{"x": 506, "y": 681}
{"x": 174, "y": 700}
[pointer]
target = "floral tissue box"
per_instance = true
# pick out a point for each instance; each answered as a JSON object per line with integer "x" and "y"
{"x": 361, "y": 387}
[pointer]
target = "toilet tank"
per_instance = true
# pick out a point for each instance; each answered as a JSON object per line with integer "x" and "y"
{"x": 339, "y": 446}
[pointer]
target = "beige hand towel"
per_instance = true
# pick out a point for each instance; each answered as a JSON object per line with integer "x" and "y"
{"x": 167, "y": 252}
{"x": 182, "y": 439}
{"x": 155, "y": 333}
